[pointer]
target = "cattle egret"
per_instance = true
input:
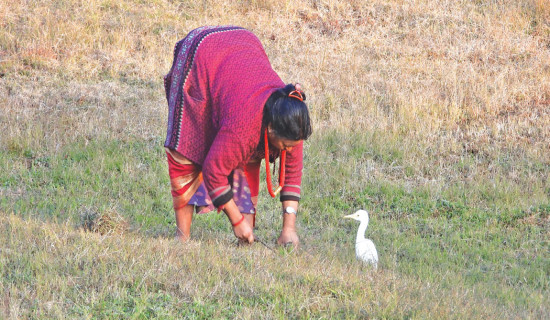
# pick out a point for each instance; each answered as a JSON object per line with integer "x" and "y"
{"x": 364, "y": 248}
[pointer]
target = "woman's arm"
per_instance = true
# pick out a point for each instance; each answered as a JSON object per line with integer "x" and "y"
{"x": 293, "y": 174}
{"x": 288, "y": 233}
{"x": 225, "y": 154}
{"x": 290, "y": 195}
{"x": 241, "y": 228}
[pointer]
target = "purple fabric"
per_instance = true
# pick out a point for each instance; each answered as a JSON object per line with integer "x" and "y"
{"x": 241, "y": 195}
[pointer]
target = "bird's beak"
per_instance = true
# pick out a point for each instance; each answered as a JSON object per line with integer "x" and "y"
{"x": 349, "y": 216}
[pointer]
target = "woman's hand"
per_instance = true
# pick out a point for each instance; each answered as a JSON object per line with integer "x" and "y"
{"x": 289, "y": 236}
{"x": 241, "y": 227}
{"x": 243, "y": 231}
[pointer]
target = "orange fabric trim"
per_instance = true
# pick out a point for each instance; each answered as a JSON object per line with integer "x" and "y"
{"x": 185, "y": 179}
{"x": 178, "y": 157}
{"x": 182, "y": 200}
{"x": 180, "y": 182}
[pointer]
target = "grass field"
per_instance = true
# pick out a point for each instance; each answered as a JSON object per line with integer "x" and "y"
{"x": 432, "y": 115}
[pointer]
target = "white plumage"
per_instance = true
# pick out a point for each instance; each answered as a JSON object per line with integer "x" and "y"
{"x": 364, "y": 248}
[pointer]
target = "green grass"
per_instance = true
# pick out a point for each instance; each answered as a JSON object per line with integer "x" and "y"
{"x": 64, "y": 272}
{"x": 429, "y": 237}
{"x": 436, "y": 123}
{"x": 90, "y": 176}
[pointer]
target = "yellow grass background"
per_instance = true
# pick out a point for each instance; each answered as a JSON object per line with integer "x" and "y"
{"x": 442, "y": 80}
{"x": 445, "y": 70}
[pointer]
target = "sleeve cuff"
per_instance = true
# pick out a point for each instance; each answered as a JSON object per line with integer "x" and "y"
{"x": 222, "y": 199}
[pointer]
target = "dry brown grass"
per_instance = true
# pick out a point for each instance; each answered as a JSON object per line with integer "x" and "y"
{"x": 109, "y": 222}
{"x": 472, "y": 69}
{"x": 462, "y": 77}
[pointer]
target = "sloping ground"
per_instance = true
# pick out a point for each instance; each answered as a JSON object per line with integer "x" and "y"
{"x": 434, "y": 115}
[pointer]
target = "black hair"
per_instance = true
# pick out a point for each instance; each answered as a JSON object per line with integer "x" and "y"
{"x": 288, "y": 116}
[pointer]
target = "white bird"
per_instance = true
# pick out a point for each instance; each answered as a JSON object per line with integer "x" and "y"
{"x": 364, "y": 248}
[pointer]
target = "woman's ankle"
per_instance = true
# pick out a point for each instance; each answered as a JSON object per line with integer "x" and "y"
{"x": 183, "y": 237}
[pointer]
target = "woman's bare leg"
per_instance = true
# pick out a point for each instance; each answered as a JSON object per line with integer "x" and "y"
{"x": 184, "y": 217}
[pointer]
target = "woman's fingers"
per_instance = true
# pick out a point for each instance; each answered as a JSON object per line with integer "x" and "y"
{"x": 288, "y": 236}
{"x": 251, "y": 238}
{"x": 244, "y": 232}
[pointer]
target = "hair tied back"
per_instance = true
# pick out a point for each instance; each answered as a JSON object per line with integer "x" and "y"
{"x": 297, "y": 94}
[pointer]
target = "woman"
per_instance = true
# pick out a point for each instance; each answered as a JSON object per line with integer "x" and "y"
{"x": 224, "y": 102}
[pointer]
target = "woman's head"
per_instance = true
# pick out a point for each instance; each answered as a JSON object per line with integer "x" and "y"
{"x": 286, "y": 114}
